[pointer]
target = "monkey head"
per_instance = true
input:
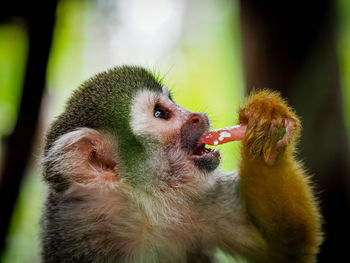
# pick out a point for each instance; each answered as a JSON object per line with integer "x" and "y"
{"x": 124, "y": 125}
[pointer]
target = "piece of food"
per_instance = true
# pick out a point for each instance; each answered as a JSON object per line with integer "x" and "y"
{"x": 224, "y": 135}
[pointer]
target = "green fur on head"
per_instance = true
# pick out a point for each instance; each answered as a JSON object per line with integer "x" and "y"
{"x": 103, "y": 102}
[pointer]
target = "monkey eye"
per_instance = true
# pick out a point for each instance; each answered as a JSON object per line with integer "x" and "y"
{"x": 160, "y": 112}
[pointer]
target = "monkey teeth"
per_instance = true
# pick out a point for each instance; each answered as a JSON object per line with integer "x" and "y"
{"x": 201, "y": 150}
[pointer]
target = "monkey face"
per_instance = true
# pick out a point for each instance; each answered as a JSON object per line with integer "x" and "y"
{"x": 122, "y": 124}
{"x": 157, "y": 118}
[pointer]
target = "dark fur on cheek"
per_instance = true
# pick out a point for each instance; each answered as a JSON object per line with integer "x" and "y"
{"x": 190, "y": 138}
{"x": 190, "y": 134}
{"x": 207, "y": 164}
{"x": 192, "y": 131}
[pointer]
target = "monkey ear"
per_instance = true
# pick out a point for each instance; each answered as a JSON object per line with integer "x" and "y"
{"x": 84, "y": 155}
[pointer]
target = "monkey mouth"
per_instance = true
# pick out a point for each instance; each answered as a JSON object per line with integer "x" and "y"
{"x": 205, "y": 159}
{"x": 201, "y": 150}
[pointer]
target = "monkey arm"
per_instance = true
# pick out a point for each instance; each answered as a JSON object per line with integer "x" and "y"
{"x": 274, "y": 192}
{"x": 236, "y": 235}
{"x": 279, "y": 203}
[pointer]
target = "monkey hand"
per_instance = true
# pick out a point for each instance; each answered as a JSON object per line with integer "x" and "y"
{"x": 272, "y": 126}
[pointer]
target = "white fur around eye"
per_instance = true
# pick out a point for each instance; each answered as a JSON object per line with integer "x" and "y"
{"x": 143, "y": 122}
{"x": 141, "y": 112}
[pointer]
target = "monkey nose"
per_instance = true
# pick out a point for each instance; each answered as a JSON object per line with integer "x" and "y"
{"x": 198, "y": 120}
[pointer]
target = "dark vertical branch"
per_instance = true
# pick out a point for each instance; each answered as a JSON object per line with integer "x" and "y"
{"x": 291, "y": 47}
{"x": 39, "y": 18}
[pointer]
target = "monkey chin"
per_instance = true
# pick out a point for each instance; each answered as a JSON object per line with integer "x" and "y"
{"x": 206, "y": 160}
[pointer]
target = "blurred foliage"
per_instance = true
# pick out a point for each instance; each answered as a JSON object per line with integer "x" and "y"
{"x": 344, "y": 54}
{"x": 23, "y": 240}
{"x": 202, "y": 68}
{"x": 65, "y": 64}
{"x": 13, "y": 52}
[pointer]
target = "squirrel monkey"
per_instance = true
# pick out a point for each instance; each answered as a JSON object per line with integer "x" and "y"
{"x": 128, "y": 182}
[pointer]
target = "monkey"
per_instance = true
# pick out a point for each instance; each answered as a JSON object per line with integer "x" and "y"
{"x": 128, "y": 182}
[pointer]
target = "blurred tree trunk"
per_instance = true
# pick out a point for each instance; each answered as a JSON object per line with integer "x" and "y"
{"x": 39, "y": 19}
{"x": 291, "y": 47}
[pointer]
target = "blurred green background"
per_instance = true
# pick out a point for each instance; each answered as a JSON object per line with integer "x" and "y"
{"x": 194, "y": 44}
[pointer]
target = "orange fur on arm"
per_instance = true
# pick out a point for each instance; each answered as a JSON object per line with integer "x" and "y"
{"x": 276, "y": 192}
